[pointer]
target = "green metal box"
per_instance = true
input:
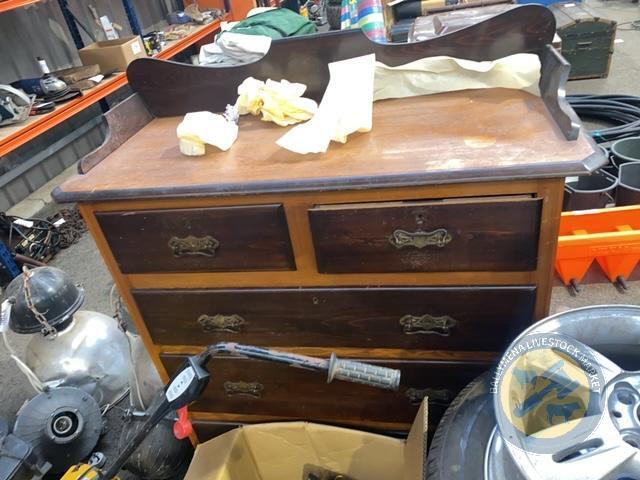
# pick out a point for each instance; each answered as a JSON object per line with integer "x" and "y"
{"x": 587, "y": 40}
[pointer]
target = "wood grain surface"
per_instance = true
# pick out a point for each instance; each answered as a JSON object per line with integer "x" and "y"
{"x": 492, "y": 235}
{"x": 474, "y": 318}
{"x": 452, "y": 137}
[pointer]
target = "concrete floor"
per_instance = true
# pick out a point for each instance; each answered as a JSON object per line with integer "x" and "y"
{"x": 84, "y": 264}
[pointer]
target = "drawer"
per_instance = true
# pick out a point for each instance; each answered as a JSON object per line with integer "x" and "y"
{"x": 451, "y": 318}
{"x": 254, "y": 387}
{"x": 206, "y": 430}
{"x": 493, "y": 234}
{"x": 199, "y": 239}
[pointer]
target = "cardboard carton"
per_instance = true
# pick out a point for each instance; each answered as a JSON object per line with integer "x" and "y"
{"x": 113, "y": 55}
{"x": 284, "y": 451}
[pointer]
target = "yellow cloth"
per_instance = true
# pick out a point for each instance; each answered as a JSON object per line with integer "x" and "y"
{"x": 447, "y": 74}
{"x": 279, "y": 102}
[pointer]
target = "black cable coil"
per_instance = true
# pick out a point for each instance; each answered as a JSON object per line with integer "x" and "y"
{"x": 41, "y": 239}
{"x": 623, "y": 111}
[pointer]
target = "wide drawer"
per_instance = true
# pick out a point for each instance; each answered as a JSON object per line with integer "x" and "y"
{"x": 452, "y": 318}
{"x": 199, "y": 239}
{"x": 208, "y": 429}
{"x": 254, "y": 387}
{"x": 499, "y": 234}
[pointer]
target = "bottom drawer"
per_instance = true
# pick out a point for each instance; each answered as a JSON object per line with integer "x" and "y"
{"x": 257, "y": 388}
{"x": 206, "y": 430}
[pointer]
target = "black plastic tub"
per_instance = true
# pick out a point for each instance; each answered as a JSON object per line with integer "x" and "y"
{"x": 610, "y": 167}
{"x": 626, "y": 150}
{"x": 628, "y": 192}
{"x": 591, "y": 191}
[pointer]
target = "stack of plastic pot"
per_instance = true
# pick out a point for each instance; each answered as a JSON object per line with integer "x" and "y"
{"x": 608, "y": 236}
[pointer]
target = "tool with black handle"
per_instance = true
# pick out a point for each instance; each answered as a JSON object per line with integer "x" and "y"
{"x": 188, "y": 383}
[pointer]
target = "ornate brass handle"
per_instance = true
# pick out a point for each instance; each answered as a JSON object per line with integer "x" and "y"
{"x": 191, "y": 245}
{"x": 420, "y": 239}
{"x": 428, "y": 325}
{"x": 221, "y": 323}
{"x": 250, "y": 389}
{"x": 436, "y": 396}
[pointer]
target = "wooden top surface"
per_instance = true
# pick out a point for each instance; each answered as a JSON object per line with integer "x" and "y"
{"x": 463, "y": 136}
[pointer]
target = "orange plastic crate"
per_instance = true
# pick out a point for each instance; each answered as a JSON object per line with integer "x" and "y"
{"x": 610, "y": 236}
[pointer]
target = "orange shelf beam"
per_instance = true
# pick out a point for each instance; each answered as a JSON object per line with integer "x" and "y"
{"x": 37, "y": 125}
{"x": 8, "y": 5}
{"x": 179, "y": 45}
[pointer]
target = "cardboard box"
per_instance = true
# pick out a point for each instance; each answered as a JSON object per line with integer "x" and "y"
{"x": 113, "y": 55}
{"x": 284, "y": 451}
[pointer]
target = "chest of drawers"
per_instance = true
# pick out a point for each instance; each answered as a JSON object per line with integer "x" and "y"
{"x": 415, "y": 246}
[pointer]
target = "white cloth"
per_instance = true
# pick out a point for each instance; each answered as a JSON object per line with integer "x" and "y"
{"x": 235, "y": 49}
{"x": 346, "y": 107}
{"x": 198, "y": 128}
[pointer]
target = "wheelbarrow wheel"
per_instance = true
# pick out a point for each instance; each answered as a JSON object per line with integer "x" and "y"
{"x": 458, "y": 446}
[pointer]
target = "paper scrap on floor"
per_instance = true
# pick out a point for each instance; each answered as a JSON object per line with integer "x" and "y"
{"x": 346, "y": 107}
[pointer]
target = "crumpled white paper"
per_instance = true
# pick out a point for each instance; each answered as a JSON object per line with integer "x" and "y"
{"x": 346, "y": 107}
{"x": 199, "y": 128}
{"x": 447, "y": 74}
{"x": 279, "y": 102}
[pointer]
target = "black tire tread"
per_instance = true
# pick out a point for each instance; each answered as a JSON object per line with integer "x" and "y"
{"x": 437, "y": 442}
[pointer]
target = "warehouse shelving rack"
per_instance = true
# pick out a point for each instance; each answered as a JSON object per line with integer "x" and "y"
{"x": 14, "y": 136}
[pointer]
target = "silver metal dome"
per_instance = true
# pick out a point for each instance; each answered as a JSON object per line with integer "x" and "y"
{"x": 92, "y": 354}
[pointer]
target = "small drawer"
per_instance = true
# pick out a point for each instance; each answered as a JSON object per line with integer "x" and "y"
{"x": 498, "y": 234}
{"x": 254, "y": 387}
{"x": 222, "y": 239}
{"x": 442, "y": 318}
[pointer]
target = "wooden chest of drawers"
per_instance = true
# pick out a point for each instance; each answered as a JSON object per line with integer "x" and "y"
{"x": 373, "y": 258}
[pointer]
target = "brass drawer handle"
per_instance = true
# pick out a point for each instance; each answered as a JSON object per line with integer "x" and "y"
{"x": 221, "y": 323}
{"x": 436, "y": 396}
{"x": 250, "y": 389}
{"x": 191, "y": 245}
{"x": 428, "y": 325}
{"x": 438, "y": 238}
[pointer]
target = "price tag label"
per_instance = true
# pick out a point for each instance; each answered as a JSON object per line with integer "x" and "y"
{"x": 23, "y": 223}
{"x": 180, "y": 384}
{"x": 5, "y": 315}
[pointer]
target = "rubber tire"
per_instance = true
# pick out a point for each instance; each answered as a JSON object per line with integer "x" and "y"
{"x": 334, "y": 14}
{"x": 458, "y": 446}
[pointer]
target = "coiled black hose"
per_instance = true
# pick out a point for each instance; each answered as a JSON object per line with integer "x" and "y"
{"x": 623, "y": 111}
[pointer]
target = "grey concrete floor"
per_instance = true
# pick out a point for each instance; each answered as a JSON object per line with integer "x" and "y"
{"x": 83, "y": 262}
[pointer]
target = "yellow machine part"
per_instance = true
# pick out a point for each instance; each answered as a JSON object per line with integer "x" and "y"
{"x": 82, "y": 471}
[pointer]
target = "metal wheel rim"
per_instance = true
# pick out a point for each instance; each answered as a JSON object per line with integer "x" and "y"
{"x": 610, "y": 329}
